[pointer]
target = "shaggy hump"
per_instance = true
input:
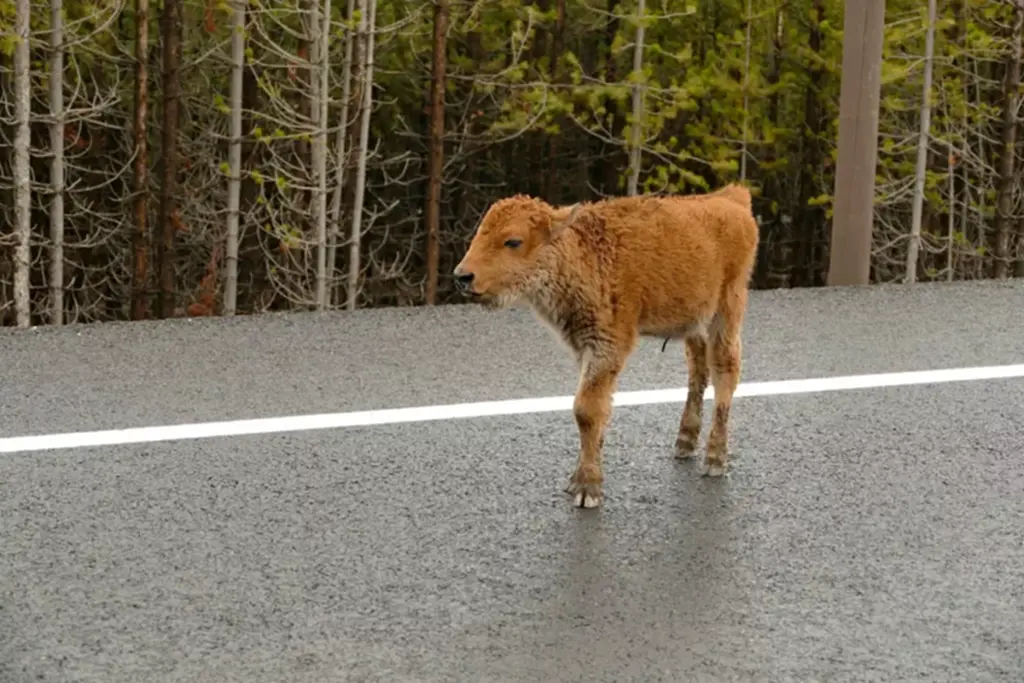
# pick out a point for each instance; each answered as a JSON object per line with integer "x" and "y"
{"x": 733, "y": 192}
{"x": 602, "y": 274}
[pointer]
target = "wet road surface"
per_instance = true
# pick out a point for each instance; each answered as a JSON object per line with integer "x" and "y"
{"x": 868, "y": 535}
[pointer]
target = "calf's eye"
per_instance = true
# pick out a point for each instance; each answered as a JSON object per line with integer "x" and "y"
{"x": 512, "y": 244}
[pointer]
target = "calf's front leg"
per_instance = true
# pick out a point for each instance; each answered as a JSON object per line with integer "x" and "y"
{"x": 592, "y": 409}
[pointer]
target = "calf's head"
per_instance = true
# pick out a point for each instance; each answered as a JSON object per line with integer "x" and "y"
{"x": 506, "y": 248}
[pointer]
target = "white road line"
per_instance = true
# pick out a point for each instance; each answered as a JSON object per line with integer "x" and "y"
{"x": 546, "y": 404}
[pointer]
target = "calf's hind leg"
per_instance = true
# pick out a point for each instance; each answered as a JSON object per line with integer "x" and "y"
{"x": 690, "y": 422}
{"x": 724, "y": 360}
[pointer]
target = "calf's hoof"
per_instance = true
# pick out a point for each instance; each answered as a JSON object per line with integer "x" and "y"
{"x": 714, "y": 466}
{"x": 686, "y": 447}
{"x": 584, "y": 495}
{"x": 589, "y": 497}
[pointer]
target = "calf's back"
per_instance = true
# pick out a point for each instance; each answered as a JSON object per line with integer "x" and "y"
{"x": 660, "y": 264}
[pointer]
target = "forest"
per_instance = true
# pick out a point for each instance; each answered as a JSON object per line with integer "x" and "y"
{"x": 223, "y": 157}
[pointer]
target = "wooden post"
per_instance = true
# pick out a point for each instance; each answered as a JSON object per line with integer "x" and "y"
{"x": 859, "y": 93}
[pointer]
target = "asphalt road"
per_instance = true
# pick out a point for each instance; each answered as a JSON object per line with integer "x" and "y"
{"x": 870, "y": 535}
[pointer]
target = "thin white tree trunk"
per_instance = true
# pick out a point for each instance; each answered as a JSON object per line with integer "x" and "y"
{"x": 965, "y": 200}
{"x": 320, "y": 151}
{"x": 922, "y": 149}
{"x": 635, "y": 134}
{"x": 56, "y": 163}
{"x": 951, "y": 221}
{"x": 980, "y": 154}
{"x": 22, "y": 185}
{"x": 230, "y": 302}
{"x": 346, "y": 92}
{"x": 366, "y": 29}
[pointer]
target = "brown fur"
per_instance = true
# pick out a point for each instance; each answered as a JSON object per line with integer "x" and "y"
{"x": 603, "y": 274}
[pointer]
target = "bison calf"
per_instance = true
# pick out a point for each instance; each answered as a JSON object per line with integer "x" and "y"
{"x": 603, "y": 274}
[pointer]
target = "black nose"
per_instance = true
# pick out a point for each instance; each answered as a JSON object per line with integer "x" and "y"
{"x": 464, "y": 280}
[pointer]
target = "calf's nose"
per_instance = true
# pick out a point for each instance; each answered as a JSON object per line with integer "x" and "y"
{"x": 463, "y": 280}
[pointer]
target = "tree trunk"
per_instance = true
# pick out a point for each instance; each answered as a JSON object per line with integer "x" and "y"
{"x": 747, "y": 19}
{"x": 636, "y": 137}
{"x": 171, "y": 34}
{"x": 140, "y": 241}
{"x": 808, "y": 217}
{"x": 22, "y": 170}
{"x": 924, "y": 135}
{"x": 251, "y": 266}
{"x": 342, "y": 160}
{"x": 536, "y": 140}
{"x": 230, "y": 301}
{"x": 436, "y": 163}
{"x": 557, "y": 45}
{"x": 321, "y": 31}
{"x": 56, "y": 163}
{"x": 1004, "y": 201}
{"x": 777, "y": 242}
{"x": 1018, "y": 266}
{"x": 951, "y": 217}
{"x": 366, "y": 30}
{"x": 859, "y": 94}
{"x": 613, "y": 157}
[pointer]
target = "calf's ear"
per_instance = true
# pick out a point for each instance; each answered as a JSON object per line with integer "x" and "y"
{"x": 558, "y": 225}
